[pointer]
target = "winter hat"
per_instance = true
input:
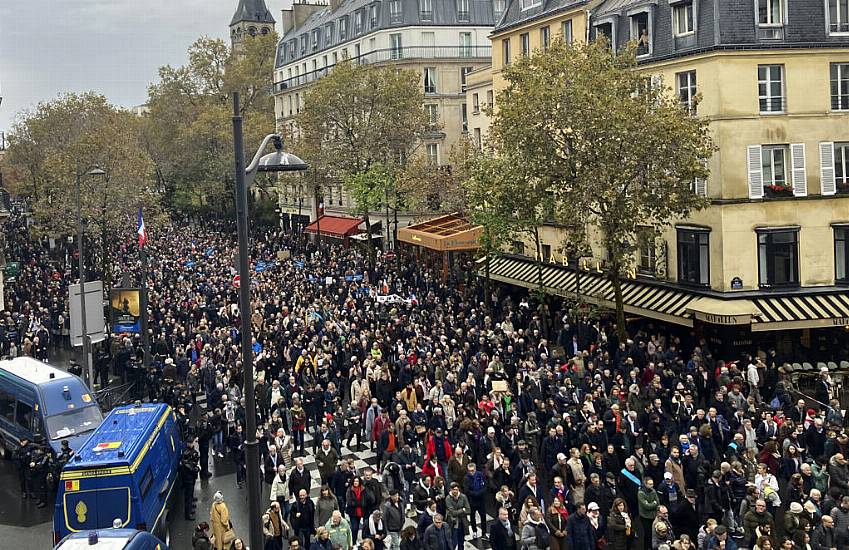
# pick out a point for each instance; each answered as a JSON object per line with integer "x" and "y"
{"x": 219, "y": 497}
{"x": 795, "y": 508}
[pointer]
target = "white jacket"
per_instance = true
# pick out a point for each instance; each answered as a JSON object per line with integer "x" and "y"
{"x": 280, "y": 488}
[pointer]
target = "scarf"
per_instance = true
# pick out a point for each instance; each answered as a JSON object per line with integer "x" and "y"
{"x": 358, "y": 491}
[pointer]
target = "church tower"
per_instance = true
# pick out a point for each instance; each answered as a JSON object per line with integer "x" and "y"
{"x": 251, "y": 18}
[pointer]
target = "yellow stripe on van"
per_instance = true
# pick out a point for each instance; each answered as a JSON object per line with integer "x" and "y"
{"x": 95, "y": 472}
{"x": 150, "y": 439}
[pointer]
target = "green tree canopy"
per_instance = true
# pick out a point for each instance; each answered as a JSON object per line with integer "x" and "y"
{"x": 592, "y": 141}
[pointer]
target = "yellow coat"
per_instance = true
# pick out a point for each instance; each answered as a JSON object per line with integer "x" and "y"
{"x": 219, "y": 521}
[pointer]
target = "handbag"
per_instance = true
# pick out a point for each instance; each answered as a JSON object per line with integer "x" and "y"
{"x": 229, "y": 536}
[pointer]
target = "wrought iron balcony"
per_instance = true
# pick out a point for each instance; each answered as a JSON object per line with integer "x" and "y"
{"x": 408, "y": 53}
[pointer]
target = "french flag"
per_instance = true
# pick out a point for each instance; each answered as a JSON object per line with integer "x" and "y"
{"x": 141, "y": 230}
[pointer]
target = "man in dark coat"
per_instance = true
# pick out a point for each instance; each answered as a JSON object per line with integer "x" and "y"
{"x": 502, "y": 532}
{"x": 302, "y": 517}
{"x": 579, "y": 530}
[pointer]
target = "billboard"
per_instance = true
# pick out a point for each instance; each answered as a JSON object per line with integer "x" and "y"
{"x": 93, "y": 312}
{"x": 125, "y": 308}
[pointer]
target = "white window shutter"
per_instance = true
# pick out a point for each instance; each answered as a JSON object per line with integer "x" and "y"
{"x": 756, "y": 176}
{"x": 701, "y": 187}
{"x": 799, "y": 175}
{"x": 827, "y": 168}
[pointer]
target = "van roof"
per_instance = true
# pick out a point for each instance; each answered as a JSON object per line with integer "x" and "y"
{"x": 123, "y": 438}
{"x": 32, "y": 370}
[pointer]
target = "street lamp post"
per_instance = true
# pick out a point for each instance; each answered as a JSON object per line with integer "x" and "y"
{"x": 89, "y": 366}
{"x": 273, "y": 162}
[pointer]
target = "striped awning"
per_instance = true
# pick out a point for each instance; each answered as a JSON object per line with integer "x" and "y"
{"x": 804, "y": 311}
{"x": 640, "y": 297}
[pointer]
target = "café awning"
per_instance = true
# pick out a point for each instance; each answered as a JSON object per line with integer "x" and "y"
{"x": 446, "y": 233}
{"x": 640, "y": 298}
{"x": 335, "y": 226}
{"x": 825, "y": 309}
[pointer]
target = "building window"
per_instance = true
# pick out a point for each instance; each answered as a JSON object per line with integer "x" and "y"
{"x": 315, "y": 40}
{"x": 464, "y": 113}
{"x": 840, "y": 86}
{"x": 476, "y": 106}
{"x": 526, "y": 44}
{"x": 462, "y": 10}
{"x": 687, "y": 90}
{"x": 505, "y": 51}
{"x": 426, "y": 10}
{"x": 774, "y": 166}
{"x": 498, "y": 7}
{"x": 396, "y": 50}
{"x": 395, "y": 14}
{"x": 640, "y": 32}
{"x": 478, "y": 138}
{"x": 606, "y": 30}
{"x": 432, "y": 110}
{"x": 372, "y": 16}
{"x": 489, "y": 98}
{"x": 358, "y": 22}
{"x": 465, "y": 44}
{"x": 770, "y": 19}
{"x": 682, "y": 18}
{"x": 648, "y": 252}
{"x": 545, "y": 37}
{"x": 841, "y": 253}
{"x": 463, "y": 72}
{"x": 290, "y": 112}
{"x": 778, "y": 257}
{"x": 433, "y": 154}
{"x": 357, "y": 53}
{"x": 303, "y": 44}
{"x": 841, "y": 167}
{"x": 771, "y": 88}
{"x": 693, "y": 256}
{"x": 430, "y": 80}
{"x": 528, "y": 4}
{"x": 343, "y": 29}
{"x": 328, "y": 34}
{"x": 838, "y": 16}
{"x": 567, "y": 31}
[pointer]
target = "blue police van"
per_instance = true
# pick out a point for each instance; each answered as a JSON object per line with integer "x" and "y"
{"x": 125, "y": 471}
{"x": 111, "y": 539}
{"x": 44, "y": 405}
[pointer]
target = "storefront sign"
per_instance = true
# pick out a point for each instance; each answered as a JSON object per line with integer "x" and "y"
{"x": 840, "y": 322}
{"x": 584, "y": 264}
{"x": 723, "y": 319}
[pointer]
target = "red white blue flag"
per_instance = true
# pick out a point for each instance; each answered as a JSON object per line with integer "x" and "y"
{"x": 141, "y": 230}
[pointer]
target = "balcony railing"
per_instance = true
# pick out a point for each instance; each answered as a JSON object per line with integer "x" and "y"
{"x": 390, "y": 54}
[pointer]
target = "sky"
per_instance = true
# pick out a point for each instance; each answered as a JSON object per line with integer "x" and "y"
{"x": 112, "y": 47}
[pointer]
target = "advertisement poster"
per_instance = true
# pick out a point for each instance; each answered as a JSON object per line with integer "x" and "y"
{"x": 125, "y": 304}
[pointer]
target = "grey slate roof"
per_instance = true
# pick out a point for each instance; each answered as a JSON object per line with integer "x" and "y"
{"x": 254, "y": 11}
{"x": 443, "y": 13}
{"x": 514, "y": 15}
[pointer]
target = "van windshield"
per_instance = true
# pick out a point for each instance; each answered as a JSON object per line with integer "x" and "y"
{"x": 73, "y": 422}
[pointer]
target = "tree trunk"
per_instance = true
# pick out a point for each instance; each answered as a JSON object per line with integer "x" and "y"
{"x": 369, "y": 244}
{"x": 620, "y": 304}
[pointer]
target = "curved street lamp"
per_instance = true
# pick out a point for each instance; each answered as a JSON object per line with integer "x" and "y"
{"x": 278, "y": 161}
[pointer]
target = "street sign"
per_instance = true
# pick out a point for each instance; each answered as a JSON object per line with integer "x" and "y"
{"x": 236, "y": 281}
{"x": 95, "y": 322}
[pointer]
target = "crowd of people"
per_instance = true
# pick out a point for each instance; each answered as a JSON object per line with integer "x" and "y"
{"x": 475, "y": 406}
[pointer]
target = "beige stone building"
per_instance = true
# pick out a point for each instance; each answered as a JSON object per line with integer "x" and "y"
{"x": 442, "y": 40}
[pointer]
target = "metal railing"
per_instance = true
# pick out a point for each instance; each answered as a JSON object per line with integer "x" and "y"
{"x": 390, "y": 54}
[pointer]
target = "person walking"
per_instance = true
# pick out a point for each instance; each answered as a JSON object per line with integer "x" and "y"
{"x": 438, "y": 535}
{"x": 457, "y": 510}
{"x": 222, "y": 528}
{"x": 302, "y": 518}
{"x": 339, "y": 531}
{"x": 393, "y": 517}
